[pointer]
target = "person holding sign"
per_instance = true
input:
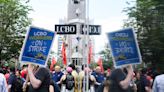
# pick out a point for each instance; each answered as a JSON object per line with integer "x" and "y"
{"x": 39, "y": 79}
{"x": 121, "y": 81}
{"x": 36, "y": 50}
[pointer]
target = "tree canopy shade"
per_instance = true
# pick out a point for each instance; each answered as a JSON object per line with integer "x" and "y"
{"x": 147, "y": 18}
{"x": 13, "y": 23}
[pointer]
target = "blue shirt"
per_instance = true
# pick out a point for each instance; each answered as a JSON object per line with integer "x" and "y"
{"x": 11, "y": 81}
{"x": 57, "y": 76}
{"x": 98, "y": 76}
{"x": 158, "y": 85}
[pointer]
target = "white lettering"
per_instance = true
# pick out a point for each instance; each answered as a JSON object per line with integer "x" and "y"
{"x": 72, "y": 29}
{"x": 121, "y": 35}
{"x": 94, "y": 29}
{"x": 62, "y": 29}
{"x": 123, "y": 44}
{"x": 57, "y": 28}
{"x": 65, "y": 29}
{"x": 124, "y": 50}
{"x": 37, "y": 49}
{"x": 38, "y": 43}
{"x": 40, "y": 33}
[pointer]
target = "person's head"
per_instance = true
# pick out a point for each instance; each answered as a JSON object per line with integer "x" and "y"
{"x": 87, "y": 69}
{"x": 143, "y": 71}
{"x": 82, "y": 67}
{"x": 72, "y": 66}
{"x": 57, "y": 68}
{"x": 6, "y": 72}
{"x": 137, "y": 74}
{"x": 12, "y": 69}
{"x": 69, "y": 69}
{"x": 98, "y": 69}
{"x": 24, "y": 67}
{"x": 18, "y": 73}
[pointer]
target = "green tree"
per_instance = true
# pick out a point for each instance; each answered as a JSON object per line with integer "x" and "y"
{"x": 106, "y": 58}
{"x": 147, "y": 17}
{"x": 13, "y": 23}
{"x": 93, "y": 65}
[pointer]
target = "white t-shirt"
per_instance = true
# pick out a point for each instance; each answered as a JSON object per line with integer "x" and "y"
{"x": 158, "y": 85}
{"x": 3, "y": 84}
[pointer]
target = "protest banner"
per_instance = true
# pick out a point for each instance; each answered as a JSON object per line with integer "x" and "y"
{"x": 37, "y": 46}
{"x": 124, "y": 47}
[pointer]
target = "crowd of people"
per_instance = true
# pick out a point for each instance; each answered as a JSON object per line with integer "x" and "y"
{"x": 34, "y": 78}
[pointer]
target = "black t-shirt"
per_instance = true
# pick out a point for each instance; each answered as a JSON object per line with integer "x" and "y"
{"x": 138, "y": 83}
{"x": 11, "y": 81}
{"x": 117, "y": 76}
{"x": 144, "y": 83}
{"x": 43, "y": 75}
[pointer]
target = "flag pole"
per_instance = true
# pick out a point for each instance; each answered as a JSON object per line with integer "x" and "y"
{"x": 87, "y": 23}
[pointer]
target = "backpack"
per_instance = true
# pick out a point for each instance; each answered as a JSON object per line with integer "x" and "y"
{"x": 18, "y": 84}
{"x": 69, "y": 81}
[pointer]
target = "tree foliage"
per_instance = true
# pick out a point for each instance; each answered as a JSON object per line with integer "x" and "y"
{"x": 13, "y": 22}
{"x": 106, "y": 58}
{"x": 147, "y": 18}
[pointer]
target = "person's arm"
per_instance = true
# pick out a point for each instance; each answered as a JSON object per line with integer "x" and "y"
{"x": 26, "y": 83}
{"x": 51, "y": 88}
{"x": 125, "y": 83}
{"x": 93, "y": 78}
{"x": 34, "y": 82}
{"x": 148, "y": 89}
{"x": 9, "y": 88}
{"x": 135, "y": 87}
{"x": 62, "y": 79}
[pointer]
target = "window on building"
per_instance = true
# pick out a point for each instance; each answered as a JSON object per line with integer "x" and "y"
{"x": 76, "y": 1}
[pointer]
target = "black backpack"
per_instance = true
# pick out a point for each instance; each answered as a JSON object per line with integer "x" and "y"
{"x": 69, "y": 81}
{"x": 18, "y": 84}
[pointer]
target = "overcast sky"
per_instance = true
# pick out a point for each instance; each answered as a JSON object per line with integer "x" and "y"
{"x": 107, "y": 13}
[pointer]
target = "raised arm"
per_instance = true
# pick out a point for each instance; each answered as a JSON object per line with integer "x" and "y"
{"x": 33, "y": 80}
{"x": 125, "y": 83}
